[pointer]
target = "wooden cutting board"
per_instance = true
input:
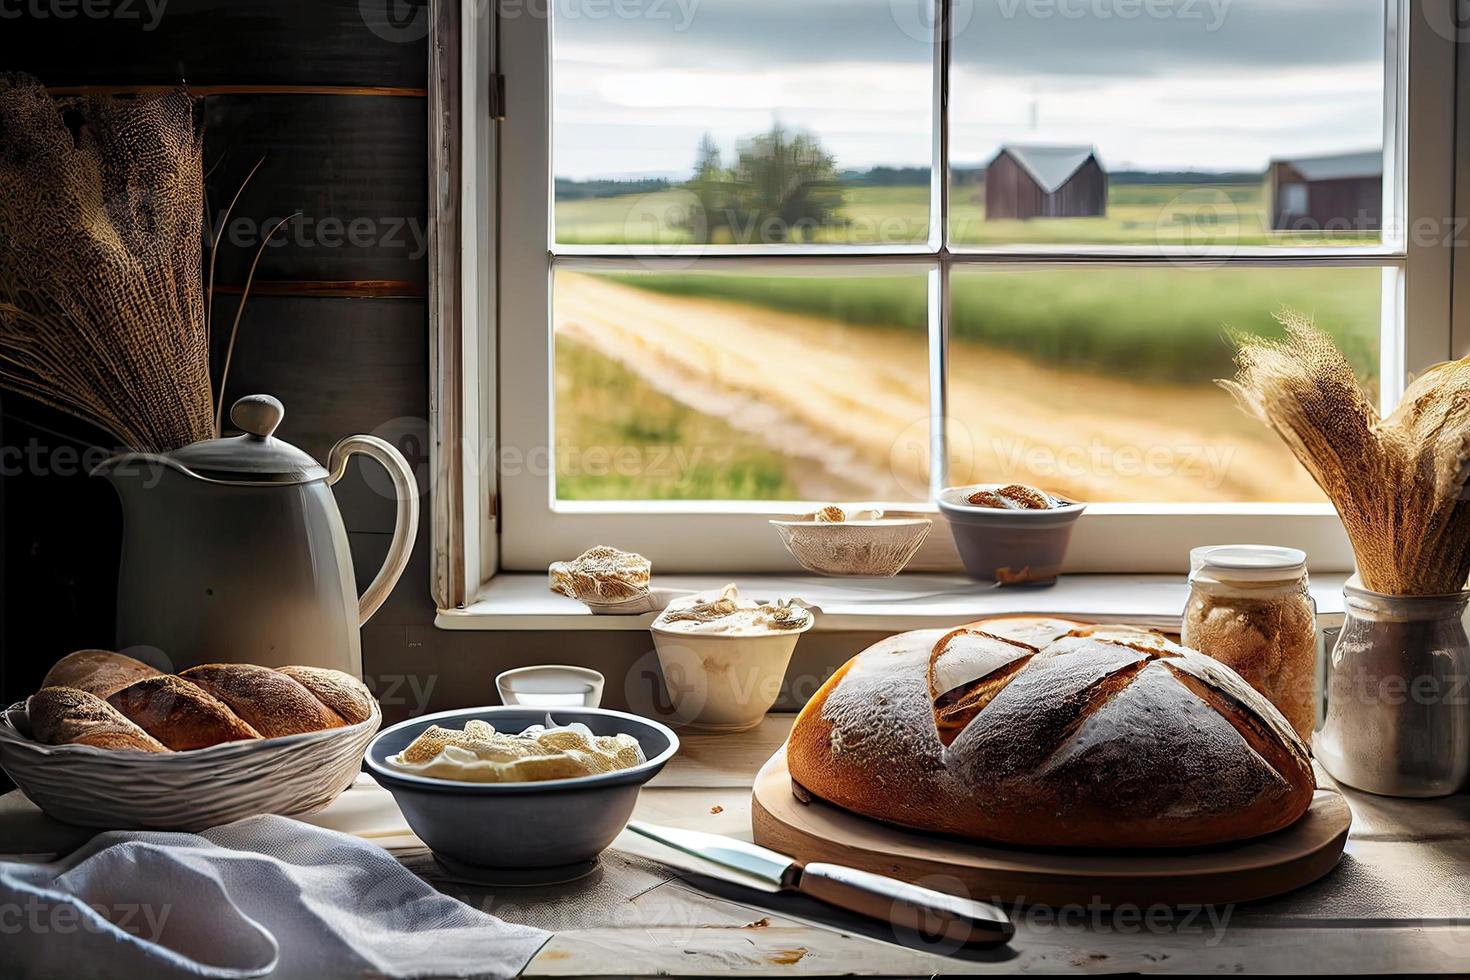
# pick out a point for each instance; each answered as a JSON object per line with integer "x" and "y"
{"x": 1271, "y": 865}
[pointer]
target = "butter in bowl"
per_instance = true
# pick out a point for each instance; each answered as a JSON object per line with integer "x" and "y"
{"x": 724, "y": 656}
{"x": 514, "y": 795}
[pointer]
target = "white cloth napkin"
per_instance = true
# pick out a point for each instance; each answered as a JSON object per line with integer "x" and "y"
{"x": 262, "y": 896}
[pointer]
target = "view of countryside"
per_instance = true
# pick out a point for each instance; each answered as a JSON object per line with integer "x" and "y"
{"x": 1204, "y": 128}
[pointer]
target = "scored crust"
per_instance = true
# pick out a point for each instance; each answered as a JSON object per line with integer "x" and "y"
{"x": 179, "y": 714}
{"x": 343, "y": 693}
{"x": 99, "y": 672}
{"x": 68, "y": 716}
{"x": 1046, "y": 732}
{"x": 273, "y": 703}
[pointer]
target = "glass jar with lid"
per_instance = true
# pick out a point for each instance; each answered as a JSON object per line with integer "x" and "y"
{"x": 1250, "y": 609}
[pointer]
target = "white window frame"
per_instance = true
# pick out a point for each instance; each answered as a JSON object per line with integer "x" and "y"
{"x": 511, "y": 520}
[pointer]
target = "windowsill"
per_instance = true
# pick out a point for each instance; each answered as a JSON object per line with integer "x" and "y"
{"x": 523, "y": 601}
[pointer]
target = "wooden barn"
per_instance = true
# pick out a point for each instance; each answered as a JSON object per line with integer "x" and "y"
{"x": 1339, "y": 192}
{"x": 1025, "y": 182}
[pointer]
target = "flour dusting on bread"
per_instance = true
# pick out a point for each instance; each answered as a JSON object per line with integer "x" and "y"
{"x": 1051, "y": 733}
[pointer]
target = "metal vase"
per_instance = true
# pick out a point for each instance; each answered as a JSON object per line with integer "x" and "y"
{"x": 1398, "y": 706}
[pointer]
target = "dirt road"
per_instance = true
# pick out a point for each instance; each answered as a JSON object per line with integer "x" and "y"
{"x": 850, "y": 405}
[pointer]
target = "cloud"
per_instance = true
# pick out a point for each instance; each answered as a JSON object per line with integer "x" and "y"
{"x": 1219, "y": 84}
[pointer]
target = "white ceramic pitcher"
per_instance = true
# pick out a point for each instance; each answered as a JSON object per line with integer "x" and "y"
{"x": 234, "y": 551}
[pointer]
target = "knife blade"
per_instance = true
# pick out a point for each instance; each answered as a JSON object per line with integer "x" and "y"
{"x": 905, "y": 906}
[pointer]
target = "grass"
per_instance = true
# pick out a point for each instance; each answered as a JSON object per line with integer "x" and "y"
{"x": 1138, "y": 214}
{"x": 619, "y": 439}
{"x": 1151, "y": 324}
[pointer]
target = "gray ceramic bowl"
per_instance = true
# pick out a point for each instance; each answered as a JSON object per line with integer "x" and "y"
{"x": 548, "y": 830}
{"x": 1012, "y": 547}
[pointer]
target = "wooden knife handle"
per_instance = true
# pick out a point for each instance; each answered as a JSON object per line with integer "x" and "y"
{"x": 922, "y": 910}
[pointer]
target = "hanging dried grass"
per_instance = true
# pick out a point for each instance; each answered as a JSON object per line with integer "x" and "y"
{"x": 102, "y": 312}
{"x": 1399, "y": 484}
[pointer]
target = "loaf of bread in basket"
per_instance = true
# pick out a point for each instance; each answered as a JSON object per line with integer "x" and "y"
{"x": 1048, "y": 733}
{"x": 104, "y": 699}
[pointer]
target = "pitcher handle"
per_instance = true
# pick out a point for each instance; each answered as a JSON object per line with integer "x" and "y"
{"x": 405, "y": 524}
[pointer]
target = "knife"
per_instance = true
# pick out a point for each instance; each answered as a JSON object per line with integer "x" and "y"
{"x": 909, "y": 907}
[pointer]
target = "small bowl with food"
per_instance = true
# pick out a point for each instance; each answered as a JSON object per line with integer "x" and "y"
{"x": 514, "y": 795}
{"x": 1010, "y": 534}
{"x": 841, "y": 541}
{"x": 724, "y": 656}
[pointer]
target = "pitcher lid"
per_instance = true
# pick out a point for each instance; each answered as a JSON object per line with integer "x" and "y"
{"x": 254, "y": 457}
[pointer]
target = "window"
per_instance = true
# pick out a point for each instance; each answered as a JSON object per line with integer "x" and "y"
{"x": 756, "y": 254}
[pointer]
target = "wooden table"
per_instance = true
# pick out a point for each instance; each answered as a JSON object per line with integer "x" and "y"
{"x": 1398, "y": 902}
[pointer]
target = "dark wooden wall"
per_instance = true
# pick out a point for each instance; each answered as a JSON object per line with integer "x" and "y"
{"x": 331, "y": 93}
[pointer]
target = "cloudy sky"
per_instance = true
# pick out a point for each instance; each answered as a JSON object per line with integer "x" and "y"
{"x": 1153, "y": 84}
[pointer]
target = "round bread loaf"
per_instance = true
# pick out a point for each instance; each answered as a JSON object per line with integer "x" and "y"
{"x": 1048, "y": 733}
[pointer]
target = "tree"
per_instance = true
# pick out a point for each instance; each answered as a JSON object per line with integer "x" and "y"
{"x": 711, "y": 188}
{"x": 783, "y": 186}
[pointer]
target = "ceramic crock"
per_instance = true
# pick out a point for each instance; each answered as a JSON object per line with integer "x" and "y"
{"x": 234, "y": 551}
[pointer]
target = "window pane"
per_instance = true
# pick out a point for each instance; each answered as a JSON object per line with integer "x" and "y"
{"x": 740, "y": 122}
{"x": 1099, "y": 383}
{"x": 741, "y": 386}
{"x": 1254, "y": 122}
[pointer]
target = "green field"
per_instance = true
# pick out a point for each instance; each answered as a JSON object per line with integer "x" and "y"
{"x": 1147, "y": 324}
{"x": 1138, "y": 214}
{"x": 619, "y": 439}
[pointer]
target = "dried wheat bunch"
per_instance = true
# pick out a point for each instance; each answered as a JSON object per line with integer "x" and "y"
{"x": 102, "y": 311}
{"x": 1399, "y": 484}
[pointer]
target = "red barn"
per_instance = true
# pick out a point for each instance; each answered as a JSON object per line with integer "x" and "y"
{"x": 1340, "y": 192}
{"x": 1024, "y": 182}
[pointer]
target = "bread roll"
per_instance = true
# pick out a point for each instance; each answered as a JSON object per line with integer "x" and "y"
{"x": 99, "y": 672}
{"x": 204, "y": 706}
{"x": 179, "y": 714}
{"x": 1048, "y": 733}
{"x": 271, "y": 701}
{"x": 343, "y": 693}
{"x": 67, "y": 716}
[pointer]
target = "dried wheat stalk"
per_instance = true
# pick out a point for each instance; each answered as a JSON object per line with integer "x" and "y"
{"x": 1399, "y": 484}
{"x": 102, "y": 312}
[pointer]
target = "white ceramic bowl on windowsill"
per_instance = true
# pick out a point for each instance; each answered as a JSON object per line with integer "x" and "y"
{"x": 82, "y": 784}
